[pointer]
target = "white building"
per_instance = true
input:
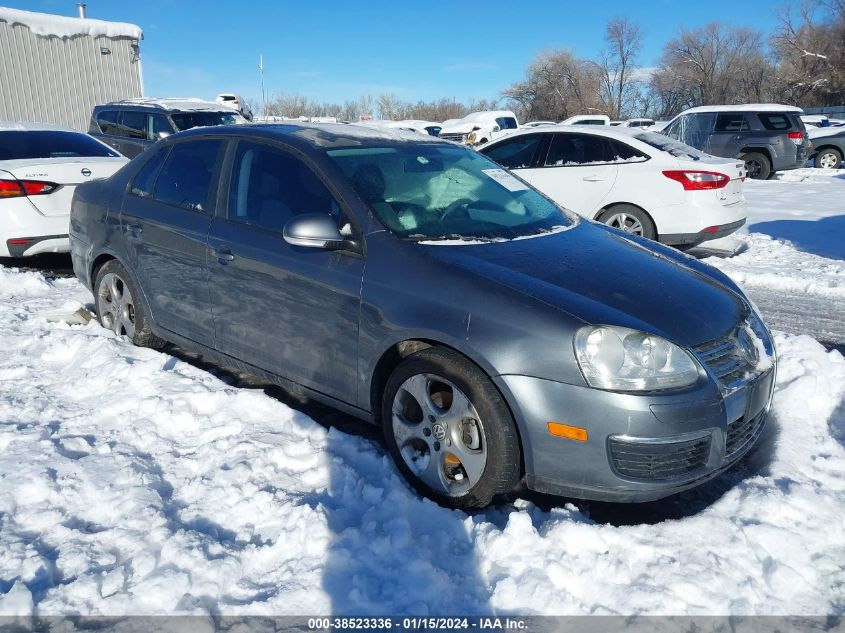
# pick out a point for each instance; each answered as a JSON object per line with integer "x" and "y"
{"x": 54, "y": 69}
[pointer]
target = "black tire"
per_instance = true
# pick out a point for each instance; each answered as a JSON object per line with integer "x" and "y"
{"x": 609, "y": 215}
{"x": 757, "y": 165}
{"x": 497, "y": 433}
{"x": 133, "y": 311}
{"x": 828, "y": 155}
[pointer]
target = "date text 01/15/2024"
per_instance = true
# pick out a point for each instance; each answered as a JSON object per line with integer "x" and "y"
{"x": 415, "y": 624}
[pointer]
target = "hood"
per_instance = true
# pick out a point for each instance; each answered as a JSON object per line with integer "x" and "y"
{"x": 599, "y": 276}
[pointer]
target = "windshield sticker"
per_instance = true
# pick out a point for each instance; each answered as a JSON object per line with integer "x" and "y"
{"x": 505, "y": 179}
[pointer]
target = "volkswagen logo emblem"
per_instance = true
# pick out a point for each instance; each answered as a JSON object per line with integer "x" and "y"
{"x": 747, "y": 347}
{"x": 86, "y": 172}
{"x": 439, "y": 431}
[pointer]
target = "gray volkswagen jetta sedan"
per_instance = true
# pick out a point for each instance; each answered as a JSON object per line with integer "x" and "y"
{"x": 415, "y": 284}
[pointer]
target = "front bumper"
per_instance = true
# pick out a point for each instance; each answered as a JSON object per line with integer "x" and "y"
{"x": 639, "y": 447}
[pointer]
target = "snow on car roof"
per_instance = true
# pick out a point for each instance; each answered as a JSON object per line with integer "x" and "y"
{"x": 340, "y": 134}
{"x": 744, "y": 107}
{"x": 180, "y": 103}
{"x": 48, "y": 25}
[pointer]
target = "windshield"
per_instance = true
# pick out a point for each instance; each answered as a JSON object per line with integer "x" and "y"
{"x": 441, "y": 192}
{"x": 676, "y": 148}
{"x": 187, "y": 120}
{"x": 21, "y": 144}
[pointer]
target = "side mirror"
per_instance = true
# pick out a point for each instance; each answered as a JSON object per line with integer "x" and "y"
{"x": 314, "y": 230}
{"x": 162, "y": 134}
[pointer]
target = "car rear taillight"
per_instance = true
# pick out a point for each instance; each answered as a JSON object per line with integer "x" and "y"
{"x": 19, "y": 188}
{"x": 698, "y": 180}
{"x": 797, "y": 137}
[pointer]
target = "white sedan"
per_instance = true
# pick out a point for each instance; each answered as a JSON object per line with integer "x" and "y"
{"x": 40, "y": 166}
{"x": 639, "y": 181}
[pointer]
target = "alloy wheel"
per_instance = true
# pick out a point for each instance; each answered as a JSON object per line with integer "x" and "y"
{"x": 626, "y": 222}
{"x": 439, "y": 434}
{"x": 115, "y": 305}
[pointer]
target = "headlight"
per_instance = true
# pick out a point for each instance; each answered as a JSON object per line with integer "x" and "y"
{"x": 621, "y": 359}
{"x": 471, "y": 138}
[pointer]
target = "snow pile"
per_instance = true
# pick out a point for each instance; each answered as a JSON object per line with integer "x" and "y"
{"x": 48, "y": 25}
{"x": 134, "y": 482}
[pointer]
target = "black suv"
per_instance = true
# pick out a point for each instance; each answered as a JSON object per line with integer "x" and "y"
{"x": 768, "y": 137}
{"x": 131, "y": 126}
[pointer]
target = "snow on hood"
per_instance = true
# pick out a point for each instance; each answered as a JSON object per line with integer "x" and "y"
{"x": 48, "y": 25}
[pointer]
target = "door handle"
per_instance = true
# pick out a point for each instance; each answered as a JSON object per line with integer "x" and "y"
{"x": 134, "y": 229}
{"x": 593, "y": 178}
{"x": 224, "y": 255}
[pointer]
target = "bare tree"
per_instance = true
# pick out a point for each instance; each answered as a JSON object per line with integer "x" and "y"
{"x": 557, "y": 85}
{"x": 617, "y": 88}
{"x": 810, "y": 50}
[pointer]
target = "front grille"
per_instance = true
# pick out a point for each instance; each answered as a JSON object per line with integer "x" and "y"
{"x": 724, "y": 358}
{"x": 659, "y": 461}
{"x": 458, "y": 138}
{"x": 742, "y": 432}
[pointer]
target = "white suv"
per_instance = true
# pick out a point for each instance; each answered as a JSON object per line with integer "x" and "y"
{"x": 641, "y": 182}
{"x": 479, "y": 127}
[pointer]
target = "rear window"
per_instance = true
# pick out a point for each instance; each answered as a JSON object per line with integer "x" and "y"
{"x": 506, "y": 123}
{"x": 732, "y": 123}
{"x": 775, "y": 121}
{"x": 21, "y": 144}
{"x": 675, "y": 148}
{"x": 188, "y": 120}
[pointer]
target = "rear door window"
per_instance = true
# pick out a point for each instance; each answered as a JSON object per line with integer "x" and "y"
{"x": 185, "y": 179}
{"x": 517, "y": 152}
{"x": 732, "y": 123}
{"x": 142, "y": 185}
{"x": 133, "y": 124}
{"x": 775, "y": 121}
{"x": 622, "y": 152}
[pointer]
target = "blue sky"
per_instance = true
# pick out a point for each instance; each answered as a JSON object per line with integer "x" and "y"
{"x": 330, "y": 50}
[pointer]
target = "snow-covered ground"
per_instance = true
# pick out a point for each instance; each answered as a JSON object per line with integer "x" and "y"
{"x": 793, "y": 265}
{"x": 132, "y": 481}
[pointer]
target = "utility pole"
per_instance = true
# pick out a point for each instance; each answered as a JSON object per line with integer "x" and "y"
{"x": 261, "y": 70}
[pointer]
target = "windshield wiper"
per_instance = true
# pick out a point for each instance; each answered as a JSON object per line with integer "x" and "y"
{"x": 418, "y": 237}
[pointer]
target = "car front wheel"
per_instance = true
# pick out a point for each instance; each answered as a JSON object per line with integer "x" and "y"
{"x": 449, "y": 430}
{"x": 828, "y": 159}
{"x": 120, "y": 308}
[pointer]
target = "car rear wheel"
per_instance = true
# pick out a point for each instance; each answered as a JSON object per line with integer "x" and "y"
{"x": 449, "y": 430}
{"x": 630, "y": 219}
{"x": 757, "y": 165}
{"x": 828, "y": 159}
{"x": 120, "y": 308}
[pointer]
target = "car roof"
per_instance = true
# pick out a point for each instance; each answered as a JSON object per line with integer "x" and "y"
{"x": 180, "y": 104}
{"x": 317, "y": 135}
{"x": 744, "y": 107}
{"x": 614, "y": 132}
{"x": 19, "y": 126}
